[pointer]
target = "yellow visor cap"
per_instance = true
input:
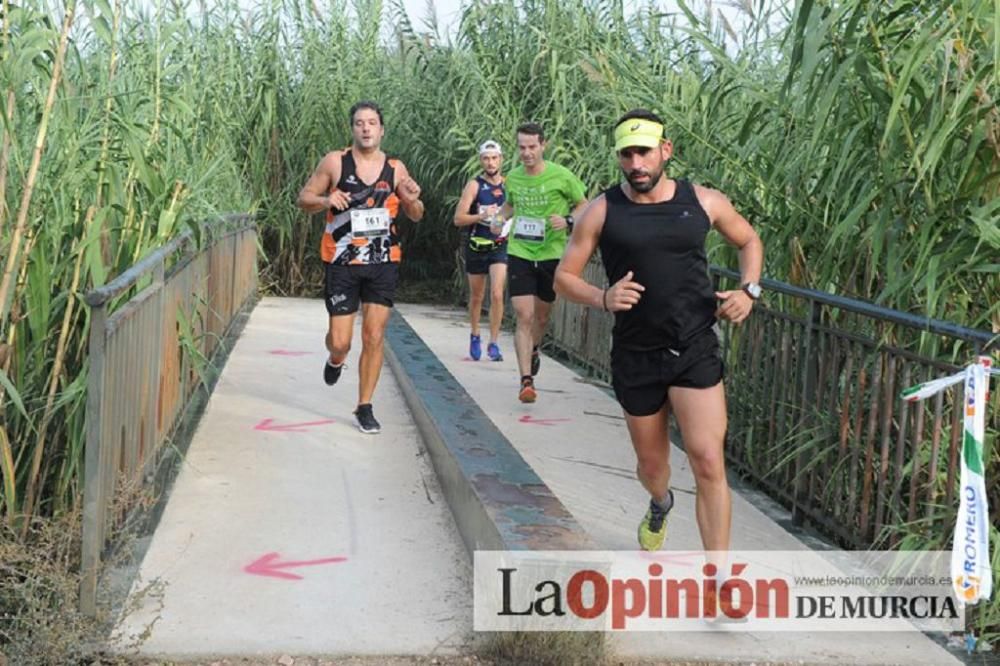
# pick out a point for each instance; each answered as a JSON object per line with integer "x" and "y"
{"x": 638, "y": 132}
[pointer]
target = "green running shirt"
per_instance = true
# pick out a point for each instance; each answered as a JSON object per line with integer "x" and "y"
{"x": 534, "y": 198}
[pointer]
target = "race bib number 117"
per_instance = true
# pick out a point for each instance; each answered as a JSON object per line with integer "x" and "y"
{"x": 529, "y": 229}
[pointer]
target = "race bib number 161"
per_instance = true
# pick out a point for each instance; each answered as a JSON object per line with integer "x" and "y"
{"x": 370, "y": 222}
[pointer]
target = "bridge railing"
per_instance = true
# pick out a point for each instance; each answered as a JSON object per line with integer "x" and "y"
{"x": 152, "y": 329}
{"x": 815, "y": 419}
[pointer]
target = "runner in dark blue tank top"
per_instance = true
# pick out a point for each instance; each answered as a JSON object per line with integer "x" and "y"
{"x": 665, "y": 354}
{"x": 485, "y": 246}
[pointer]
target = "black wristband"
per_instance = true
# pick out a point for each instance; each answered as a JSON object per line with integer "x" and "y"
{"x": 604, "y": 300}
{"x": 569, "y": 222}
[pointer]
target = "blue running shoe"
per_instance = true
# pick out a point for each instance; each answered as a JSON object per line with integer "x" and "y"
{"x": 475, "y": 347}
{"x": 493, "y": 351}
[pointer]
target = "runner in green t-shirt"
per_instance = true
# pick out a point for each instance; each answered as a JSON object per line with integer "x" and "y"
{"x": 543, "y": 198}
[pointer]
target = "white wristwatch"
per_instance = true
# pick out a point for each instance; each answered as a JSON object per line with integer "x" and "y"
{"x": 753, "y": 290}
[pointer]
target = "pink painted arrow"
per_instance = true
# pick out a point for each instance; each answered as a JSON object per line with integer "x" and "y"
{"x": 288, "y": 352}
{"x": 267, "y": 565}
{"x": 290, "y": 427}
{"x": 545, "y": 422}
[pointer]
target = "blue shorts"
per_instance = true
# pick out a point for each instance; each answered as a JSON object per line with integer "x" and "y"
{"x": 478, "y": 263}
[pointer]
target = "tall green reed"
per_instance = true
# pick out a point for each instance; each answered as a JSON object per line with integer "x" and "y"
{"x": 861, "y": 139}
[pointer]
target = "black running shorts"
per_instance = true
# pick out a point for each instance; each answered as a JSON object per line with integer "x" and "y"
{"x": 478, "y": 263}
{"x": 641, "y": 378}
{"x": 532, "y": 278}
{"x": 346, "y": 286}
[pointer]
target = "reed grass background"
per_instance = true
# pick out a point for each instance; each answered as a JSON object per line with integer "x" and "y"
{"x": 861, "y": 139}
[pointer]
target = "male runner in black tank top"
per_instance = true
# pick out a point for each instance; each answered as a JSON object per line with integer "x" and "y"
{"x": 362, "y": 191}
{"x": 651, "y": 232}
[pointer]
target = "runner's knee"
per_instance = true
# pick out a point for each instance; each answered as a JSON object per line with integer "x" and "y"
{"x": 372, "y": 336}
{"x": 651, "y": 466}
{"x": 707, "y": 463}
{"x": 338, "y": 347}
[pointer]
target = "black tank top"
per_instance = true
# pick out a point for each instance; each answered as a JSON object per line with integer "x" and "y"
{"x": 663, "y": 244}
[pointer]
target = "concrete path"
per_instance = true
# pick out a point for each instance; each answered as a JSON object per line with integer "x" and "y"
{"x": 576, "y": 440}
{"x": 290, "y": 532}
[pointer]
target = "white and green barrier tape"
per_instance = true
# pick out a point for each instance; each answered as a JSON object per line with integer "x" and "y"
{"x": 972, "y": 578}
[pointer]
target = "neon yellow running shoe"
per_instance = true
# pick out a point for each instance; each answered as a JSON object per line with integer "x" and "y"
{"x": 653, "y": 527}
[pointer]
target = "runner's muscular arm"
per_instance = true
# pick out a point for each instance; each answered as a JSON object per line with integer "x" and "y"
{"x": 463, "y": 217}
{"x": 569, "y": 282}
{"x": 559, "y": 222}
{"x": 738, "y": 233}
{"x": 315, "y": 195}
{"x": 409, "y": 193}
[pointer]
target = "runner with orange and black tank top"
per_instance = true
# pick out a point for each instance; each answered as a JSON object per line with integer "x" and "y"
{"x": 651, "y": 233}
{"x": 365, "y": 234}
{"x": 362, "y": 191}
{"x": 485, "y": 246}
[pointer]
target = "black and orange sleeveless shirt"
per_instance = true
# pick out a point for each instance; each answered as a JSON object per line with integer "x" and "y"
{"x": 366, "y": 232}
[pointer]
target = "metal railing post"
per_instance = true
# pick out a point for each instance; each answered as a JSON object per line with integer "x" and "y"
{"x": 806, "y": 405}
{"x": 94, "y": 502}
{"x": 152, "y": 410}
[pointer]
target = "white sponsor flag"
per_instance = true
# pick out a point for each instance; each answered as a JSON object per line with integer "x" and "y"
{"x": 972, "y": 578}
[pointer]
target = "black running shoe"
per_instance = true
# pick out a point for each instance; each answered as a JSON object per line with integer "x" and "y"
{"x": 536, "y": 361}
{"x": 331, "y": 373}
{"x": 366, "y": 419}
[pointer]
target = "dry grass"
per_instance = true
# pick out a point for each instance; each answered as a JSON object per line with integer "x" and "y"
{"x": 545, "y": 649}
{"x": 39, "y": 621}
